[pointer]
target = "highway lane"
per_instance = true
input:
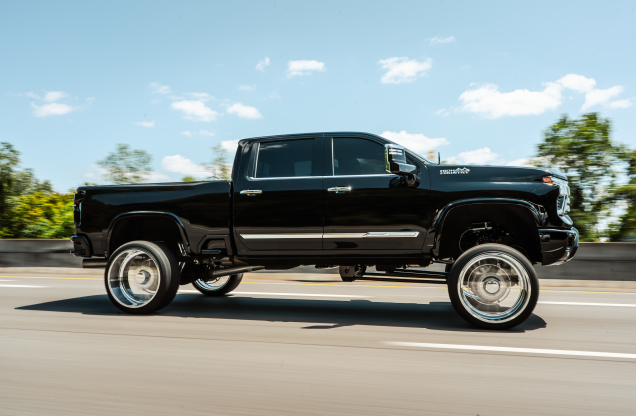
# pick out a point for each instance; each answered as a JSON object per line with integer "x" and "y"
{"x": 307, "y": 345}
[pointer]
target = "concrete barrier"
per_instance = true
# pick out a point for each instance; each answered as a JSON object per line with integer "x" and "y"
{"x": 37, "y": 253}
{"x": 611, "y": 262}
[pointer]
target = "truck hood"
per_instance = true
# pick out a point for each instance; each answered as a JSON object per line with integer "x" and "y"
{"x": 471, "y": 173}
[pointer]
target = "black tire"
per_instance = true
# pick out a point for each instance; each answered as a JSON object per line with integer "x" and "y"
{"x": 210, "y": 290}
{"x": 489, "y": 263}
{"x": 351, "y": 273}
{"x": 167, "y": 278}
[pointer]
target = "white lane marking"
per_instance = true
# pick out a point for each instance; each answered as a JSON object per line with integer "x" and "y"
{"x": 628, "y": 305}
{"x": 518, "y": 350}
{"x": 19, "y": 286}
{"x": 284, "y": 294}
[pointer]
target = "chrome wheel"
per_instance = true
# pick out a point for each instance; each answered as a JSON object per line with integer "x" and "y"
{"x": 213, "y": 285}
{"x": 134, "y": 278}
{"x": 494, "y": 287}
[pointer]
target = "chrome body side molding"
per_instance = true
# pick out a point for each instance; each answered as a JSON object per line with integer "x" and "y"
{"x": 389, "y": 234}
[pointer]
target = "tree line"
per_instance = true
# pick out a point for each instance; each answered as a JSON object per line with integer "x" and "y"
{"x": 601, "y": 173}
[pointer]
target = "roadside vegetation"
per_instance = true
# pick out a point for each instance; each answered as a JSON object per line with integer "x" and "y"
{"x": 601, "y": 173}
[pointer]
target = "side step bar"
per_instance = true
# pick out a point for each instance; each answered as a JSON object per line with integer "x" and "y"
{"x": 411, "y": 276}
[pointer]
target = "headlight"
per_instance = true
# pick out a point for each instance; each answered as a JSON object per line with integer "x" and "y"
{"x": 563, "y": 203}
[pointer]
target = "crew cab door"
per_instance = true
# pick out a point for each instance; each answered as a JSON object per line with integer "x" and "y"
{"x": 367, "y": 208}
{"x": 278, "y": 202}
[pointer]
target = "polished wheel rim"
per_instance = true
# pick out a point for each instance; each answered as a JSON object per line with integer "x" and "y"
{"x": 134, "y": 278}
{"x": 212, "y": 285}
{"x": 494, "y": 287}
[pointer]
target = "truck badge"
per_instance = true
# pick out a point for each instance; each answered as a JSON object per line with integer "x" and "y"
{"x": 458, "y": 171}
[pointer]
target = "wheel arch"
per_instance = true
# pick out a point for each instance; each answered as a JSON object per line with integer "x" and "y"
{"x": 520, "y": 218}
{"x": 133, "y": 225}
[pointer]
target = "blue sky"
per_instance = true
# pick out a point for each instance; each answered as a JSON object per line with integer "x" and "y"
{"x": 477, "y": 81}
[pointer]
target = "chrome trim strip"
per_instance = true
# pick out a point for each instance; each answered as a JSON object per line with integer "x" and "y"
{"x": 251, "y": 178}
{"x": 380, "y": 234}
{"x": 389, "y": 234}
{"x": 251, "y": 192}
{"x": 279, "y": 236}
{"x": 344, "y": 235}
{"x": 361, "y": 176}
{"x": 339, "y": 189}
{"x": 284, "y": 177}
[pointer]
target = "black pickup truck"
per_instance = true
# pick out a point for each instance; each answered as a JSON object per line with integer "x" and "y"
{"x": 347, "y": 200}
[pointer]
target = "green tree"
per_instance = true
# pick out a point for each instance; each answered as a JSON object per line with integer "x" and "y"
{"x": 625, "y": 229}
{"x": 188, "y": 179}
{"x": 9, "y": 160}
{"x": 126, "y": 165}
{"x": 219, "y": 166}
{"x": 584, "y": 150}
{"x": 40, "y": 215}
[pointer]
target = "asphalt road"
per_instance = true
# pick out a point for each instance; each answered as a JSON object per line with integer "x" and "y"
{"x": 306, "y": 346}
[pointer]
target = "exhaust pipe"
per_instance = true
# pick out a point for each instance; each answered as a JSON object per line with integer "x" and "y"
{"x": 232, "y": 270}
{"x": 98, "y": 263}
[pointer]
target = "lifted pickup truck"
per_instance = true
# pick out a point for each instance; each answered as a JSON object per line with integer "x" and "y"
{"x": 347, "y": 200}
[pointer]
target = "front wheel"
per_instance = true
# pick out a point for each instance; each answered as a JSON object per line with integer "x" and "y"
{"x": 493, "y": 286}
{"x": 218, "y": 287}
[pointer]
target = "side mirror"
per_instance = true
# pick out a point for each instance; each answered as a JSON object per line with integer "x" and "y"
{"x": 395, "y": 160}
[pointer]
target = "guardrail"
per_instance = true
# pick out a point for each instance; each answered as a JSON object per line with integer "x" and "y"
{"x": 593, "y": 261}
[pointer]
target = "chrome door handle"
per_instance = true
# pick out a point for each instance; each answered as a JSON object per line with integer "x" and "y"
{"x": 250, "y": 192}
{"x": 339, "y": 189}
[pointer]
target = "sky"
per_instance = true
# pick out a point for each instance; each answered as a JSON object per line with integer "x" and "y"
{"x": 477, "y": 81}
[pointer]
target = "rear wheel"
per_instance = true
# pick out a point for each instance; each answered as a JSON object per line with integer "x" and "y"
{"x": 141, "y": 277}
{"x": 493, "y": 286}
{"x": 218, "y": 287}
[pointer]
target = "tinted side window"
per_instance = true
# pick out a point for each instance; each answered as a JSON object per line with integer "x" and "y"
{"x": 285, "y": 158}
{"x": 357, "y": 157}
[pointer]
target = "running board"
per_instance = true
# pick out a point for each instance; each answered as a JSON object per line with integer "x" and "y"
{"x": 407, "y": 277}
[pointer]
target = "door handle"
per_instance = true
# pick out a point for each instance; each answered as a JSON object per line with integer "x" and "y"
{"x": 339, "y": 189}
{"x": 251, "y": 192}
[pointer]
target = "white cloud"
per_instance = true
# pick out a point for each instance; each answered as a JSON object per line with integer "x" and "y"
{"x": 304, "y": 67}
{"x": 401, "y": 70}
{"x": 195, "y": 110}
{"x": 31, "y": 95}
{"x": 481, "y": 156}
{"x": 186, "y": 133}
{"x": 244, "y": 111}
{"x": 416, "y": 142}
{"x": 442, "y": 112}
{"x": 620, "y": 104}
{"x": 439, "y": 40}
{"x": 262, "y": 64}
{"x": 145, "y": 123}
{"x": 490, "y": 102}
{"x": 247, "y": 88}
{"x": 206, "y": 133}
{"x": 184, "y": 166}
{"x": 596, "y": 96}
{"x": 577, "y": 82}
{"x": 53, "y": 109}
{"x": 156, "y": 177}
{"x": 230, "y": 146}
{"x": 51, "y": 96}
{"x": 159, "y": 89}
{"x": 200, "y": 96}
{"x": 521, "y": 162}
